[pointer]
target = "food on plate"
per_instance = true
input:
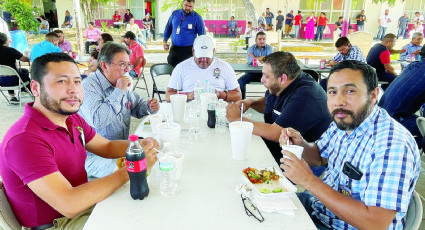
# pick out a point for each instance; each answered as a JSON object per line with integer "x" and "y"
{"x": 260, "y": 176}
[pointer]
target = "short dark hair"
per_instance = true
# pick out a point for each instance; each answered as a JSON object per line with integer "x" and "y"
{"x": 58, "y": 31}
{"x": 94, "y": 54}
{"x": 389, "y": 37}
{"x": 91, "y": 23}
{"x": 342, "y": 41}
{"x": 39, "y": 65}
{"x": 340, "y": 17}
{"x": 369, "y": 74}
{"x": 283, "y": 63}
{"x": 51, "y": 35}
{"x": 259, "y": 33}
{"x": 279, "y": 11}
{"x": 108, "y": 51}
{"x": 249, "y": 22}
{"x": 3, "y": 39}
{"x": 107, "y": 37}
{"x": 299, "y": 11}
{"x": 130, "y": 35}
{"x": 42, "y": 16}
{"x": 323, "y": 13}
{"x": 189, "y": 1}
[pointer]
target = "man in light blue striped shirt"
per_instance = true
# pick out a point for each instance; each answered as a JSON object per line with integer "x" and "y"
{"x": 109, "y": 103}
{"x": 346, "y": 51}
{"x": 373, "y": 161}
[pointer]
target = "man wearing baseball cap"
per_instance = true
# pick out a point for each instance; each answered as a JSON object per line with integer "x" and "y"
{"x": 203, "y": 67}
{"x": 137, "y": 57}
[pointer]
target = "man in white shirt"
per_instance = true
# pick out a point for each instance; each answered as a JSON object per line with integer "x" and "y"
{"x": 203, "y": 66}
{"x": 418, "y": 18}
{"x": 383, "y": 21}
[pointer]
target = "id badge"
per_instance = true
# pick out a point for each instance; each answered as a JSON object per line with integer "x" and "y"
{"x": 178, "y": 30}
{"x": 189, "y": 26}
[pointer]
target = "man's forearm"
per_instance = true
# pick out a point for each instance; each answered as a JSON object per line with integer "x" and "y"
{"x": 138, "y": 61}
{"x": 258, "y": 105}
{"x": 233, "y": 95}
{"x": 268, "y": 131}
{"x": 311, "y": 154}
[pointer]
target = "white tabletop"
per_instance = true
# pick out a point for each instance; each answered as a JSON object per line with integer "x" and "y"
{"x": 207, "y": 196}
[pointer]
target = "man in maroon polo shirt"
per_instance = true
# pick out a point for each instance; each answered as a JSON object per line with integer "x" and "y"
{"x": 42, "y": 155}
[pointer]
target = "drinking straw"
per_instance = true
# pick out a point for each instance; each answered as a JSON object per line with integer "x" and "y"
{"x": 241, "y": 113}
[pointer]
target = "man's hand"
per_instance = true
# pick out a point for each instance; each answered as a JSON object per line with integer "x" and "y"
{"x": 416, "y": 52}
{"x": 151, "y": 154}
{"x": 246, "y": 104}
{"x": 332, "y": 63}
{"x": 233, "y": 112}
{"x": 166, "y": 46}
{"x": 296, "y": 170}
{"x": 191, "y": 95}
{"x": 153, "y": 104}
{"x": 292, "y": 135}
{"x": 123, "y": 82}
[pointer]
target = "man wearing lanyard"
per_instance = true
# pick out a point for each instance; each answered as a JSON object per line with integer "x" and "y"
{"x": 183, "y": 26}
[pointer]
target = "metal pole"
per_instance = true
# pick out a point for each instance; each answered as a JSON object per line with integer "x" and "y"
{"x": 78, "y": 28}
{"x": 346, "y": 19}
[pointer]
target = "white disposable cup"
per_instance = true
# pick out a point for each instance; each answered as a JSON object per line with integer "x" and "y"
{"x": 178, "y": 104}
{"x": 155, "y": 120}
{"x": 295, "y": 149}
{"x": 205, "y": 99}
{"x": 168, "y": 132}
{"x": 240, "y": 138}
{"x": 179, "y": 164}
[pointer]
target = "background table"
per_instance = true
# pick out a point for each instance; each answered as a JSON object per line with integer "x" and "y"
{"x": 246, "y": 68}
{"x": 207, "y": 197}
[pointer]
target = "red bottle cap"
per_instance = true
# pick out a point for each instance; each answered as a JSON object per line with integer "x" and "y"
{"x": 133, "y": 137}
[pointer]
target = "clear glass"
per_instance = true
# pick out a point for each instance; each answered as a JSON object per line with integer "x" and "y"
{"x": 195, "y": 117}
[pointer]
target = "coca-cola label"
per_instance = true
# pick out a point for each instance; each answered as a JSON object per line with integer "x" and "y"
{"x": 136, "y": 166}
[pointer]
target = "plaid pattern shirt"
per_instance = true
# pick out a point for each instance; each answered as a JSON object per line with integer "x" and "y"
{"x": 387, "y": 155}
{"x": 354, "y": 54}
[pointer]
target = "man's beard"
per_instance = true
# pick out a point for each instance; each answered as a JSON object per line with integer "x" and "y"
{"x": 54, "y": 106}
{"x": 357, "y": 118}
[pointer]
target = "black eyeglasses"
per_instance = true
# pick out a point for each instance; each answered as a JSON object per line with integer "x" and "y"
{"x": 251, "y": 209}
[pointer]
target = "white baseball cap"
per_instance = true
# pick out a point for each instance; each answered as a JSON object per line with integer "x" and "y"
{"x": 204, "y": 46}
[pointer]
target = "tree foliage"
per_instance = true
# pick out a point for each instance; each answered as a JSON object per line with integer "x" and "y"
{"x": 22, "y": 13}
{"x": 89, "y": 8}
{"x": 177, "y": 4}
{"x": 390, "y": 2}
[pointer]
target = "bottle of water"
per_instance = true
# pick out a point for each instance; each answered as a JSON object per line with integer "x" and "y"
{"x": 221, "y": 116}
{"x": 209, "y": 88}
{"x": 167, "y": 163}
{"x": 198, "y": 90}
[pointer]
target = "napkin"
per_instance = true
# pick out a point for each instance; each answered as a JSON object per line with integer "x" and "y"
{"x": 283, "y": 205}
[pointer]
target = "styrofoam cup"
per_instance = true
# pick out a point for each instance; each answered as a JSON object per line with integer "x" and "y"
{"x": 168, "y": 132}
{"x": 178, "y": 104}
{"x": 240, "y": 137}
{"x": 295, "y": 149}
{"x": 155, "y": 120}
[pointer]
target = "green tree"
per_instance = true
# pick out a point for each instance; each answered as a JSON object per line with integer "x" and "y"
{"x": 177, "y": 4}
{"x": 89, "y": 8}
{"x": 22, "y": 13}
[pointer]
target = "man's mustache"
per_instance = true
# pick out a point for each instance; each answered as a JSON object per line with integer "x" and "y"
{"x": 335, "y": 111}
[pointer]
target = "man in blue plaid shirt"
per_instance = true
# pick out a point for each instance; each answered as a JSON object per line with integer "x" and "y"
{"x": 373, "y": 161}
{"x": 346, "y": 51}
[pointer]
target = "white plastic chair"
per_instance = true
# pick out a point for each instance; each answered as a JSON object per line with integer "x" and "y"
{"x": 7, "y": 217}
{"x": 414, "y": 213}
{"x": 6, "y": 71}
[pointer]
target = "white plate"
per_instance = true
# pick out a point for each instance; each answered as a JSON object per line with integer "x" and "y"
{"x": 283, "y": 182}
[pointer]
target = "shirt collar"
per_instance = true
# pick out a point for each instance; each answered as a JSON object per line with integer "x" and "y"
{"x": 39, "y": 118}
{"x": 104, "y": 83}
{"x": 367, "y": 125}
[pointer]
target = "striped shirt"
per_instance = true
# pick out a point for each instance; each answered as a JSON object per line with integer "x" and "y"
{"x": 354, "y": 54}
{"x": 108, "y": 110}
{"x": 387, "y": 155}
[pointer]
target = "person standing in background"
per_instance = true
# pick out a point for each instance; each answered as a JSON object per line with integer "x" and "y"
{"x": 262, "y": 19}
{"x": 269, "y": 16}
{"x": 323, "y": 21}
{"x": 402, "y": 26}
{"x": 298, "y": 19}
{"x": 127, "y": 16}
{"x": 361, "y": 18}
{"x": 383, "y": 21}
{"x": 279, "y": 20}
{"x": 288, "y": 23}
{"x": 309, "y": 30}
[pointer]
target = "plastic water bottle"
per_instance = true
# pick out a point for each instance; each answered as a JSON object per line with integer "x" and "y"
{"x": 221, "y": 116}
{"x": 208, "y": 87}
{"x": 198, "y": 90}
{"x": 136, "y": 168}
{"x": 167, "y": 166}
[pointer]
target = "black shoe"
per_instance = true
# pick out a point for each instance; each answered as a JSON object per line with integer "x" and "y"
{"x": 14, "y": 100}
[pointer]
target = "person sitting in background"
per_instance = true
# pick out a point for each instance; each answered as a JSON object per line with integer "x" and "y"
{"x": 232, "y": 27}
{"x": 133, "y": 27}
{"x": 137, "y": 57}
{"x": 92, "y": 35}
{"x": 67, "y": 23}
{"x": 104, "y": 38}
{"x": 203, "y": 66}
{"x": 346, "y": 51}
{"x": 405, "y": 96}
{"x": 127, "y": 16}
{"x": 350, "y": 30}
{"x": 413, "y": 48}
{"x": 148, "y": 27}
{"x": 44, "y": 26}
{"x": 418, "y": 28}
{"x": 63, "y": 44}
{"x": 338, "y": 26}
{"x": 92, "y": 64}
{"x": 49, "y": 45}
{"x": 116, "y": 18}
{"x": 109, "y": 104}
{"x": 8, "y": 57}
{"x": 270, "y": 27}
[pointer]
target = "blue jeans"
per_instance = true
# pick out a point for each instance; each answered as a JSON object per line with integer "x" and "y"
{"x": 307, "y": 199}
{"x": 44, "y": 31}
{"x": 360, "y": 27}
{"x": 319, "y": 33}
{"x": 246, "y": 79}
{"x": 297, "y": 31}
{"x": 401, "y": 32}
{"x": 381, "y": 32}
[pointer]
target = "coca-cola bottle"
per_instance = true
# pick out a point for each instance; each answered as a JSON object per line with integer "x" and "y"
{"x": 136, "y": 168}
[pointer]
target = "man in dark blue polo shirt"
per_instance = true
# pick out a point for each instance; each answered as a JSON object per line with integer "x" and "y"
{"x": 293, "y": 99}
{"x": 405, "y": 96}
{"x": 183, "y": 26}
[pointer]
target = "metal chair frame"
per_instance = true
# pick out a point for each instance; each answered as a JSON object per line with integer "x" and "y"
{"x": 6, "y": 71}
{"x": 159, "y": 70}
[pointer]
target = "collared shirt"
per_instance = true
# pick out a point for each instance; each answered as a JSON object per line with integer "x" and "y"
{"x": 257, "y": 52}
{"x": 289, "y": 18}
{"x": 269, "y": 17}
{"x": 410, "y": 48}
{"x": 420, "y": 18}
{"x": 232, "y": 24}
{"x": 360, "y": 23}
{"x": 403, "y": 21}
{"x": 353, "y": 54}
{"x": 66, "y": 46}
{"x": 35, "y": 147}
{"x": 384, "y": 20}
{"x": 42, "y": 48}
{"x": 298, "y": 18}
{"x": 189, "y": 27}
{"x": 279, "y": 20}
{"x": 68, "y": 19}
{"x": 387, "y": 155}
{"x": 136, "y": 52}
{"x": 219, "y": 74}
{"x": 92, "y": 35}
{"x": 108, "y": 110}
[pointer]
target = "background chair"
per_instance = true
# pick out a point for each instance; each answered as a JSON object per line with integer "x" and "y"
{"x": 142, "y": 76}
{"x": 312, "y": 73}
{"x": 158, "y": 70}
{"x": 414, "y": 213}
{"x": 7, "y": 217}
{"x": 7, "y": 72}
{"x": 420, "y": 121}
